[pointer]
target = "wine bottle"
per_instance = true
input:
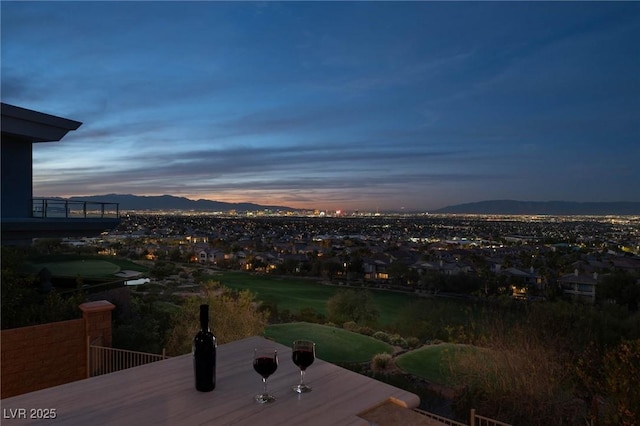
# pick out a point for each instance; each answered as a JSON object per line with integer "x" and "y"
{"x": 204, "y": 354}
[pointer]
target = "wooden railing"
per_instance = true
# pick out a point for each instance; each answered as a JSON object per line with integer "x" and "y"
{"x": 104, "y": 360}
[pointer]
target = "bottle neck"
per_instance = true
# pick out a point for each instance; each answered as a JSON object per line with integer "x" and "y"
{"x": 204, "y": 317}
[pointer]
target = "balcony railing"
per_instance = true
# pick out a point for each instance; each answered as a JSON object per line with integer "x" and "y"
{"x": 105, "y": 360}
{"x": 439, "y": 420}
{"x": 57, "y": 208}
{"x": 478, "y": 420}
{"x": 475, "y": 419}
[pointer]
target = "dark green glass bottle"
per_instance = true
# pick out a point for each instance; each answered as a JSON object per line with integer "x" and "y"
{"x": 204, "y": 354}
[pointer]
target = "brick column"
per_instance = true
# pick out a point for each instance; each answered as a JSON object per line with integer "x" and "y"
{"x": 97, "y": 321}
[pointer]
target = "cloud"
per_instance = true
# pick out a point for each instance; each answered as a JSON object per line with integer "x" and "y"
{"x": 330, "y": 101}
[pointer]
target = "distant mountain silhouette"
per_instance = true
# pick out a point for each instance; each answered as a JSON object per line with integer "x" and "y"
{"x": 544, "y": 207}
{"x": 169, "y": 202}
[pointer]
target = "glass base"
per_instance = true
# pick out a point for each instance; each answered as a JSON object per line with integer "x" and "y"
{"x": 301, "y": 388}
{"x": 265, "y": 398}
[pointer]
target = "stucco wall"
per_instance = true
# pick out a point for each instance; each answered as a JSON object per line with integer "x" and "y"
{"x": 42, "y": 356}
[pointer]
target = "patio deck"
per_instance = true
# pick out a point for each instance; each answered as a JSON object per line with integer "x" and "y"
{"x": 163, "y": 393}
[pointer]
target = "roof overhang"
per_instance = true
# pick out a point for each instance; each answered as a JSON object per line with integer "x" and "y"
{"x": 35, "y": 126}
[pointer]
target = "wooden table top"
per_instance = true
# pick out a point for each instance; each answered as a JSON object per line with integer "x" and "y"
{"x": 163, "y": 393}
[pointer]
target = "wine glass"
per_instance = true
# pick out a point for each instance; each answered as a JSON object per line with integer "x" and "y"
{"x": 304, "y": 353}
{"x": 265, "y": 362}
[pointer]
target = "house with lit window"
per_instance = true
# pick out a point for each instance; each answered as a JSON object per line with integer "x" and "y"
{"x": 375, "y": 269}
{"x": 210, "y": 256}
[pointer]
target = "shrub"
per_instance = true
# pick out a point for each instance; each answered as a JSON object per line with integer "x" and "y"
{"x": 381, "y": 362}
{"x": 381, "y": 335}
{"x": 413, "y": 342}
{"x": 457, "y": 334}
{"x": 397, "y": 340}
{"x": 309, "y": 314}
{"x": 351, "y": 326}
{"x": 361, "y": 329}
{"x": 367, "y": 331}
{"x": 233, "y": 316}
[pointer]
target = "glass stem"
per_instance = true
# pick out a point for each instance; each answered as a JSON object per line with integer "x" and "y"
{"x": 301, "y": 377}
{"x": 264, "y": 381}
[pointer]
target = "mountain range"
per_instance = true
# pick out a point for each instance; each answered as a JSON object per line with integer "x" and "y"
{"x": 169, "y": 202}
{"x": 544, "y": 208}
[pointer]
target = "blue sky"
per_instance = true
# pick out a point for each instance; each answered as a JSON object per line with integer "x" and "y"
{"x": 332, "y": 105}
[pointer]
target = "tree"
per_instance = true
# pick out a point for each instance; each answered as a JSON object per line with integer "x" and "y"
{"x": 621, "y": 287}
{"x": 398, "y": 272}
{"x": 352, "y": 305}
{"x": 289, "y": 266}
{"x": 175, "y": 255}
{"x": 233, "y": 316}
{"x": 141, "y": 327}
{"x": 330, "y": 268}
{"x": 162, "y": 269}
{"x": 356, "y": 268}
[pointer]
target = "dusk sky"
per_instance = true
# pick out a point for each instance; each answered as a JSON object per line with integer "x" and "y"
{"x": 332, "y": 105}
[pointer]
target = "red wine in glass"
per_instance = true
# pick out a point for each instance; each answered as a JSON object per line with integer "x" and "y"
{"x": 265, "y": 366}
{"x": 265, "y": 362}
{"x": 303, "y": 358}
{"x": 304, "y": 353}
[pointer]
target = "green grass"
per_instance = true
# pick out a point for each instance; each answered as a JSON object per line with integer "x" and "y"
{"x": 432, "y": 362}
{"x": 390, "y": 304}
{"x": 287, "y": 293}
{"x": 332, "y": 344}
{"x": 296, "y": 294}
{"x": 84, "y": 266}
{"x": 127, "y": 264}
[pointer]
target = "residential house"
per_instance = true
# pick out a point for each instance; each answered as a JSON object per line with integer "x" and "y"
{"x": 375, "y": 269}
{"x": 624, "y": 263}
{"x": 521, "y": 282}
{"x": 580, "y": 286}
{"x": 210, "y": 256}
{"x": 443, "y": 267}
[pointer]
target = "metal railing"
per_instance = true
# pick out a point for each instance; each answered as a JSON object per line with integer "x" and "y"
{"x": 59, "y": 208}
{"x": 478, "y": 420}
{"x": 440, "y": 419}
{"x": 105, "y": 360}
{"x": 475, "y": 419}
